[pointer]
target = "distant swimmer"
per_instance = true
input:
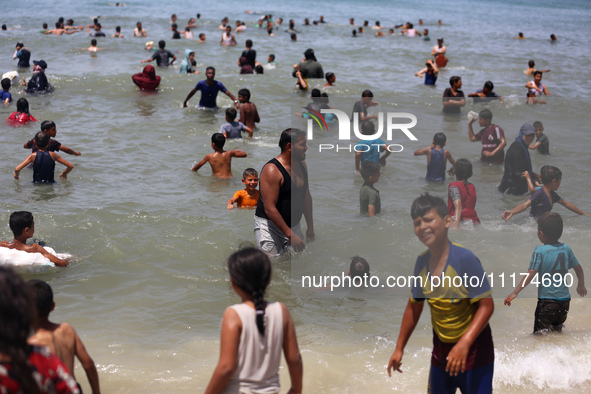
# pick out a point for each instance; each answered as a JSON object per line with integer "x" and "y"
{"x": 536, "y": 86}
{"x": 5, "y": 95}
{"x": 220, "y": 160}
{"x": 38, "y": 82}
{"x": 228, "y": 38}
{"x": 43, "y": 162}
{"x": 531, "y": 68}
{"x": 249, "y": 115}
{"x": 21, "y": 115}
{"x": 553, "y": 37}
{"x": 330, "y": 79}
{"x": 202, "y": 37}
{"x": 426, "y": 35}
{"x": 97, "y": 31}
{"x": 439, "y": 51}
{"x": 209, "y": 91}
{"x": 453, "y": 98}
{"x": 430, "y": 71}
{"x": 486, "y": 94}
{"x": 188, "y": 64}
{"x": 377, "y": 26}
{"x": 161, "y": 56}
{"x": 147, "y": 79}
{"x": 310, "y": 63}
{"x": 520, "y": 36}
{"x": 23, "y": 55}
{"x": 117, "y": 33}
{"x": 139, "y": 31}
{"x": 93, "y": 47}
{"x": 410, "y": 31}
{"x": 59, "y": 30}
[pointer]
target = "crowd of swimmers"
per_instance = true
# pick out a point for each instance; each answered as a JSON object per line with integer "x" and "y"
{"x": 255, "y": 332}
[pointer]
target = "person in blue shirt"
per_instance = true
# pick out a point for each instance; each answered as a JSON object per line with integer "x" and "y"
{"x": 5, "y": 95}
{"x": 547, "y": 261}
{"x": 370, "y": 149}
{"x": 209, "y": 90}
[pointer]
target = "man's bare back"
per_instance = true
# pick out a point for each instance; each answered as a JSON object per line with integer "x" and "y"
{"x": 249, "y": 115}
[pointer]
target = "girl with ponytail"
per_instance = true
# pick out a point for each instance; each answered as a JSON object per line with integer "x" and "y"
{"x": 254, "y": 333}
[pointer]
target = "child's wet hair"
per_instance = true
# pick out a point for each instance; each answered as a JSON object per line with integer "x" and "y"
{"x": 244, "y": 93}
{"x": 531, "y": 63}
{"x": 367, "y": 127}
{"x": 486, "y": 114}
{"x": 272, "y": 56}
{"x": 453, "y": 80}
{"x": 537, "y": 73}
{"x": 550, "y": 223}
{"x": 550, "y": 173}
{"x": 426, "y": 202}
{"x": 359, "y": 266}
{"x": 439, "y": 139}
{"x": 329, "y": 76}
{"x": 22, "y": 105}
{"x": 259, "y": 69}
{"x": 5, "y": 84}
{"x": 369, "y": 168}
{"x": 47, "y": 125}
{"x": 367, "y": 93}
{"x": 218, "y": 140}
{"x": 20, "y": 220}
{"x": 41, "y": 139}
{"x": 250, "y": 270}
{"x": 231, "y": 114}
{"x": 463, "y": 169}
{"x": 41, "y": 295}
{"x": 489, "y": 85}
{"x": 538, "y": 124}
{"x": 315, "y": 93}
{"x": 249, "y": 172}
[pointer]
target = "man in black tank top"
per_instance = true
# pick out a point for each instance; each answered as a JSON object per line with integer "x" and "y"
{"x": 284, "y": 197}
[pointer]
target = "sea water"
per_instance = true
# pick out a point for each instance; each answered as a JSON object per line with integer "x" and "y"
{"x": 148, "y": 286}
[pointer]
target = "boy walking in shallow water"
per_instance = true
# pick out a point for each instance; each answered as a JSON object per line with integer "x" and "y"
{"x": 220, "y": 160}
{"x": 547, "y": 261}
{"x": 61, "y": 339}
{"x": 463, "y": 353}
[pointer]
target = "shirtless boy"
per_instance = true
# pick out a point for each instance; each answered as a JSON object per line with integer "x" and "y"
{"x": 248, "y": 111}
{"x": 220, "y": 160}
{"x": 23, "y": 227}
{"x": 61, "y": 339}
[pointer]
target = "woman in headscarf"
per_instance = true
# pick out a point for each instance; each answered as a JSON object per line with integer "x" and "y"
{"x": 38, "y": 82}
{"x": 518, "y": 161}
{"x": 147, "y": 79}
